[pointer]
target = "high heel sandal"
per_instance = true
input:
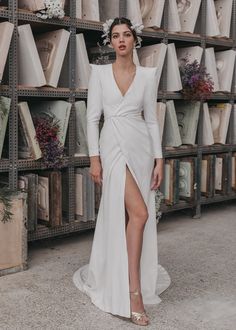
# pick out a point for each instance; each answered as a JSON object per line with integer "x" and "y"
{"x": 136, "y": 317}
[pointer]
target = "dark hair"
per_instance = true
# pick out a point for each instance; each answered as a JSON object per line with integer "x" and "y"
{"x": 122, "y": 20}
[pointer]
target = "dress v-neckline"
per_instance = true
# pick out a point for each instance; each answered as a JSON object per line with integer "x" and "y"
{"x": 130, "y": 86}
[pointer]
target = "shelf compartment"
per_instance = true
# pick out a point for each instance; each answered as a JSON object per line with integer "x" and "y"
{"x": 181, "y": 205}
{"x": 43, "y": 91}
{"x": 221, "y": 96}
{"x": 81, "y": 93}
{"x": 88, "y": 25}
{"x": 217, "y": 148}
{"x": 184, "y": 36}
{"x": 217, "y": 198}
{"x": 4, "y": 13}
{"x": 28, "y": 16}
{"x": 81, "y": 161}
{"x": 170, "y": 152}
{"x": 170, "y": 95}
{"x": 28, "y": 164}
{"x": 4, "y": 90}
{"x": 4, "y": 165}
{"x": 152, "y": 33}
{"x": 68, "y": 228}
{"x": 178, "y": 96}
{"x": 219, "y": 41}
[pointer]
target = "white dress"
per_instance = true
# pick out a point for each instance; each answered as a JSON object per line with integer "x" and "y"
{"x": 125, "y": 139}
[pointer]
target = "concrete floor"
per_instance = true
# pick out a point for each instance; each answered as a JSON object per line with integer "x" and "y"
{"x": 200, "y": 256}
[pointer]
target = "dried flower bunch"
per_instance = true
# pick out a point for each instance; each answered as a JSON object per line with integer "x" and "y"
{"x": 197, "y": 83}
{"x": 47, "y": 129}
{"x": 53, "y": 9}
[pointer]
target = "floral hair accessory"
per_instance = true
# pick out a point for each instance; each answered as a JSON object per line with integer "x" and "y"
{"x": 135, "y": 26}
{"x": 106, "y": 28}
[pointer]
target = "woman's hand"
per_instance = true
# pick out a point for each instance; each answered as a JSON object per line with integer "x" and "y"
{"x": 95, "y": 169}
{"x": 157, "y": 174}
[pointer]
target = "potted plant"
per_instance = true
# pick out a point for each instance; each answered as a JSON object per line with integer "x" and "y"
{"x": 13, "y": 231}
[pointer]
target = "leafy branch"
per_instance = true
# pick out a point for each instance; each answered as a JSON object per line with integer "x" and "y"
{"x": 5, "y": 200}
{"x": 3, "y": 108}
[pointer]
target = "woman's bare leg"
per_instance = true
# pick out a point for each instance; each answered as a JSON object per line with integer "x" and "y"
{"x": 137, "y": 216}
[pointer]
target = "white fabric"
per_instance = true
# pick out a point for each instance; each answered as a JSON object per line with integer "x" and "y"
{"x": 125, "y": 139}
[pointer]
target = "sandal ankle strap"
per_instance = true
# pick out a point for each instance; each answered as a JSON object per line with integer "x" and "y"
{"x": 136, "y": 292}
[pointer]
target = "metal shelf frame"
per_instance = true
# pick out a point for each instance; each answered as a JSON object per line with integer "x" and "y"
{"x": 13, "y": 165}
{"x": 4, "y": 13}
{"x": 27, "y": 16}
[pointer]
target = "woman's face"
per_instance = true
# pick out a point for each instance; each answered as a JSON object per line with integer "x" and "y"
{"x": 122, "y": 39}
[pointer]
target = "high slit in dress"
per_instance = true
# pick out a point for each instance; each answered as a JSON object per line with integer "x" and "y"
{"x": 128, "y": 139}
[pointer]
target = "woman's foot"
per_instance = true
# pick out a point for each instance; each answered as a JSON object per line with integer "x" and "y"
{"x": 138, "y": 313}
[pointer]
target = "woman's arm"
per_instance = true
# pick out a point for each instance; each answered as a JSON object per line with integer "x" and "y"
{"x": 150, "y": 115}
{"x": 94, "y": 111}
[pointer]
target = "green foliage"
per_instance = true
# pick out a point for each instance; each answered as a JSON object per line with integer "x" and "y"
{"x": 5, "y": 200}
{"x": 3, "y": 108}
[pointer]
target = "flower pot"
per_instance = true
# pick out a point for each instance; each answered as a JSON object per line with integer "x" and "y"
{"x": 13, "y": 236}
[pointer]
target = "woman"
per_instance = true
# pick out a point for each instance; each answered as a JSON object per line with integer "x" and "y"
{"x": 127, "y": 161}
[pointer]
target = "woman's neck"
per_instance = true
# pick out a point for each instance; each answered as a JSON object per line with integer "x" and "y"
{"x": 124, "y": 63}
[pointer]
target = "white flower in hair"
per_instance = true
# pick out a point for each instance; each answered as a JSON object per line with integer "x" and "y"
{"x": 106, "y": 29}
{"x": 137, "y": 27}
{"x": 107, "y": 25}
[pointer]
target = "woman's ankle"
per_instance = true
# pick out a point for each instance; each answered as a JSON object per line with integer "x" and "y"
{"x": 136, "y": 300}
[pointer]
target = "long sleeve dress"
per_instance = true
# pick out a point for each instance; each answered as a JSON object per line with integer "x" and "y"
{"x": 125, "y": 139}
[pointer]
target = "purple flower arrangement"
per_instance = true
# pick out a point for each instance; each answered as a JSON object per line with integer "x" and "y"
{"x": 197, "y": 83}
{"x": 47, "y": 129}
